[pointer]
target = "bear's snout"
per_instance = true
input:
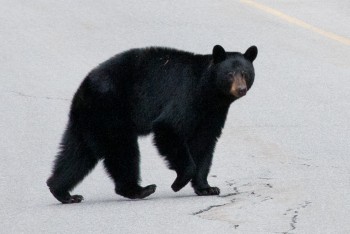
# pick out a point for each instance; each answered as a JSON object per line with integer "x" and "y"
{"x": 242, "y": 91}
{"x": 239, "y": 85}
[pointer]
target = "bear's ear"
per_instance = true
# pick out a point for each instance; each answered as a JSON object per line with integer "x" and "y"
{"x": 251, "y": 53}
{"x": 219, "y": 54}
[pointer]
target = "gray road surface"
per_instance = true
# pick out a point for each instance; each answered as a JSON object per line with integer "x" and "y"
{"x": 282, "y": 162}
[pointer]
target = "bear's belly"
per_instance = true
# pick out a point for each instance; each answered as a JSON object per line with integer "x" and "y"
{"x": 143, "y": 120}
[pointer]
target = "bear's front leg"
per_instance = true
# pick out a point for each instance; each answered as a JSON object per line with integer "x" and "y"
{"x": 202, "y": 148}
{"x": 200, "y": 183}
{"x": 176, "y": 152}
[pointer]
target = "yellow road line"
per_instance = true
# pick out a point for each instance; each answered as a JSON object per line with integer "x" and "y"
{"x": 298, "y": 22}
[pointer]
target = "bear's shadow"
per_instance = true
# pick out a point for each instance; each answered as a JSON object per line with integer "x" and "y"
{"x": 126, "y": 200}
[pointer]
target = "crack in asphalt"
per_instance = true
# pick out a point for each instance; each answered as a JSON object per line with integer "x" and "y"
{"x": 209, "y": 208}
{"x": 229, "y": 194}
{"x": 294, "y": 218}
{"x": 38, "y": 97}
{"x": 294, "y": 221}
{"x": 292, "y": 224}
{"x": 235, "y": 192}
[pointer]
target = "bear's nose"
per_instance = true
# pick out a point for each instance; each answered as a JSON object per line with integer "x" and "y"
{"x": 242, "y": 91}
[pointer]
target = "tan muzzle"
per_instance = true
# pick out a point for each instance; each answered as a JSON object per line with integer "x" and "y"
{"x": 239, "y": 85}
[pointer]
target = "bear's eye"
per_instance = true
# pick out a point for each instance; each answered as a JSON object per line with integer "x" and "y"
{"x": 230, "y": 75}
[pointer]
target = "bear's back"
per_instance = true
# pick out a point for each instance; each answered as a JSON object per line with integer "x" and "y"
{"x": 164, "y": 80}
{"x": 143, "y": 83}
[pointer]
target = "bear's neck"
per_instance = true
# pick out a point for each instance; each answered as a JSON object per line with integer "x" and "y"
{"x": 211, "y": 95}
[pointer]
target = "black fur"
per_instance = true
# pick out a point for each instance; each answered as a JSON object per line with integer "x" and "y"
{"x": 181, "y": 97}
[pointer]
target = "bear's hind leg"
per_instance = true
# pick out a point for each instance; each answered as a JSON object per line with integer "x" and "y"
{"x": 175, "y": 151}
{"x": 72, "y": 164}
{"x": 122, "y": 164}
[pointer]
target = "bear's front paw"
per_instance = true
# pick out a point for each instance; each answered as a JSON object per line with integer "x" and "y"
{"x": 207, "y": 191}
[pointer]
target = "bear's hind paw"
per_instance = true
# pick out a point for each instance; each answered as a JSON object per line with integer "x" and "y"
{"x": 138, "y": 192}
{"x": 66, "y": 198}
{"x": 74, "y": 199}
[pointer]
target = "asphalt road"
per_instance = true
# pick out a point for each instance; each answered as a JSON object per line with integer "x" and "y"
{"x": 282, "y": 162}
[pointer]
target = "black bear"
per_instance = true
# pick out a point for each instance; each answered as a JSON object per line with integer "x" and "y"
{"x": 183, "y": 98}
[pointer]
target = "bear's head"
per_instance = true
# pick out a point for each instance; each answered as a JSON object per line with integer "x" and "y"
{"x": 234, "y": 71}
